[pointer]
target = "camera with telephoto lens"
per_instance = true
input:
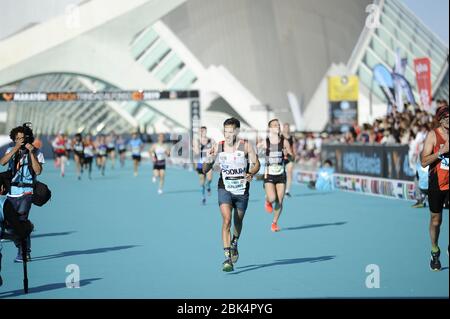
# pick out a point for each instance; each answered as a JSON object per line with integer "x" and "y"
{"x": 28, "y": 134}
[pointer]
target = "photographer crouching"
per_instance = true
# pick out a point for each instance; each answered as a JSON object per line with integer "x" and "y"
{"x": 24, "y": 164}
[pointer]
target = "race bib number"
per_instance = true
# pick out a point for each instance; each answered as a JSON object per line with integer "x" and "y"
{"x": 135, "y": 150}
{"x": 276, "y": 169}
{"x": 235, "y": 186}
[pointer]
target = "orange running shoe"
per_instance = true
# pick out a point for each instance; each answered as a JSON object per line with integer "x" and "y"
{"x": 275, "y": 227}
{"x": 269, "y": 207}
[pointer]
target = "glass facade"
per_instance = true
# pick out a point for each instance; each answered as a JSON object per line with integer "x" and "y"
{"x": 400, "y": 30}
{"x": 152, "y": 52}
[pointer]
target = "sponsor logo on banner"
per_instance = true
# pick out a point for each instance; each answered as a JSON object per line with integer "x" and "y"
{"x": 422, "y": 68}
{"x": 137, "y": 96}
{"x": 62, "y": 97}
{"x": 172, "y": 95}
{"x": 20, "y": 97}
{"x": 343, "y": 88}
{"x": 8, "y": 96}
{"x": 152, "y": 95}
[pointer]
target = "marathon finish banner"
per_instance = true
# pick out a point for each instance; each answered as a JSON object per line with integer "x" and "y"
{"x": 139, "y": 95}
{"x": 391, "y": 162}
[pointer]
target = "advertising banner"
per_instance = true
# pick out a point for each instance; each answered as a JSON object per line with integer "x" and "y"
{"x": 391, "y": 162}
{"x": 343, "y": 94}
{"x": 422, "y": 68}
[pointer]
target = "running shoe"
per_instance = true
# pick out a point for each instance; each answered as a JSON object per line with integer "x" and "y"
{"x": 154, "y": 179}
{"x": 418, "y": 204}
{"x": 275, "y": 228}
{"x": 160, "y": 191}
{"x": 227, "y": 265}
{"x": 288, "y": 194}
{"x": 435, "y": 263}
{"x": 204, "y": 201}
{"x": 269, "y": 207}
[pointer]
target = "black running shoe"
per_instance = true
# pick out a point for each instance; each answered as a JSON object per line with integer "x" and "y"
{"x": 288, "y": 195}
{"x": 234, "y": 251}
{"x": 435, "y": 264}
{"x": 228, "y": 265}
{"x": 418, "y": 204}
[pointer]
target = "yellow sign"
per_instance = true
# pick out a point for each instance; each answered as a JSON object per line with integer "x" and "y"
{"x": 343, "y": 88}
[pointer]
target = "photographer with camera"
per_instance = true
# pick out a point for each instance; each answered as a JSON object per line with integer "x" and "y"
{"x": 24, "y": 163}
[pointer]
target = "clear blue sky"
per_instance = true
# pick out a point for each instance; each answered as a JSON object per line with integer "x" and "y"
{"x": 17, "y": 13}
{"x": 434, "y": 13}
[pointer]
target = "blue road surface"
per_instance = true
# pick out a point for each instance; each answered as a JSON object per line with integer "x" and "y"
{"x": 130, "y": 242}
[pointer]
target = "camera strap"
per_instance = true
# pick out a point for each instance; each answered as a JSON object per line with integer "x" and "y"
{"x": 20, "y": 168}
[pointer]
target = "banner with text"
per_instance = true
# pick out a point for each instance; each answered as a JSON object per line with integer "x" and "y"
{"x": 391, "y": 162}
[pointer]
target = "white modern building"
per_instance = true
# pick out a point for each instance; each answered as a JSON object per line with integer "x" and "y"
{"x": 244, "y": 56}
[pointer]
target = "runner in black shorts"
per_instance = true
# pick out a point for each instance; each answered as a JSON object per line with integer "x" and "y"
{"x": 111, "y": 148}
{"x": 136, "y": 146}
{"x": 122, "y": 148}
{"x": 159, "y": 152}
{"x": 101, "y": 153}
{"x": 436, "y": 154}
{"x": 238, "y": 164}
{"x": 78, "y": 154}
{"x": 277, "y": 148}
{"x": 89, "y": 152}
{"x": 201, "y": 150}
